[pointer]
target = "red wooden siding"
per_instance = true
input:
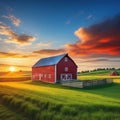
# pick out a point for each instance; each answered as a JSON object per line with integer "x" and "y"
{"x": 72, "y": 68}
{"x": 44, "y": 73}
{"x": 60, "y": 70}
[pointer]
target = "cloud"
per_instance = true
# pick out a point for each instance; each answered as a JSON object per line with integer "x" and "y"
{"x": 44, "y": 44}
{"x": 14, "y": 55}
{"x": 13, "y": 37}
{"x": 15, "y": 21}
{"x": 90, "y": 17}
{"x": 5, "y": 54}
{"x": 49, "y": 51}
{"x": 8, "y": 65}
{"x": 98, "y": 60}
{"x": 102, "y": 39}
{"x": 68, "y": 22}
{"x": 28, "y": 56}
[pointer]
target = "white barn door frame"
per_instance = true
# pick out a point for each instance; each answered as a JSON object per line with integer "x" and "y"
{"x": 65, "y": 76}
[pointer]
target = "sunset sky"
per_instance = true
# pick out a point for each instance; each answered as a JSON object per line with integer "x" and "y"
{"x": 88, "y": 30}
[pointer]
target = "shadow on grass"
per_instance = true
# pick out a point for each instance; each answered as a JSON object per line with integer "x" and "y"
{"x": 38, "y": 83}
{"x": 59, "y": 85}
{"x": 111, "y": 90}
{"x": 100, "y": 87}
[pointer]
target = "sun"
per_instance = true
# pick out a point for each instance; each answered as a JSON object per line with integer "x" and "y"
{"x": 12, "y": 69}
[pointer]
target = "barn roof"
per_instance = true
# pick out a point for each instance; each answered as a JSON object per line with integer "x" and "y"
{"x": 49, "y": 61}
{"x": 114, "y": 73}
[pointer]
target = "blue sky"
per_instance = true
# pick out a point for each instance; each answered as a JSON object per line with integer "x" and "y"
{"x": 50, "y": 27}
{"x": 54, "y": 20}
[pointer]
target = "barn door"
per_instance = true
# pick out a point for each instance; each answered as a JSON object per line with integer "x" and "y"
{"x": 65, "y": 77}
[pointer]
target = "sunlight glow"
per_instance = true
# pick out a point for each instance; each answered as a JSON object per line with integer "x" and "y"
{"x": 12, "y": 69}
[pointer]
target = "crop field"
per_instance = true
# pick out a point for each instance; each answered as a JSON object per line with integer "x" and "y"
{"x": 39, "y": 101}
{"x": 28, "y": 100}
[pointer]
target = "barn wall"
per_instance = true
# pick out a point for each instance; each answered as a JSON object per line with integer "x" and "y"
{"x": 44, "y": 73}
{"x": 72, "y": 68}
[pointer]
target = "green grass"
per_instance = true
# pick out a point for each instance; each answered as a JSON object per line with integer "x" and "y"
{"x": 42, "y": 101}
{"x": 99, "y": 74}
{"x": 96, "y": 77}
{"x": 6, "y": 113}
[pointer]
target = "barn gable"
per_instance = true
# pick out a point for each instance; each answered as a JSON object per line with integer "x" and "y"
{"x": 49, "y": 61}
{"x": 69, "y": 59}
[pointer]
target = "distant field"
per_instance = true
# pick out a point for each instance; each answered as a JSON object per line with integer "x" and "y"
{"x": 95, "y": 77}
{"x": 15, "y": 74}
{"x": 100, "y": 74}
{"x": 41, "y": 101}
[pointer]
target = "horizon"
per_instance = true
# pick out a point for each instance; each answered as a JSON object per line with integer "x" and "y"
{"x": 87, "y": 30}
{"x": 87, "y": 70}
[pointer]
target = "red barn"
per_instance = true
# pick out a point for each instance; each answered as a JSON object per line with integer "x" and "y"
{"x": 55, "y": 69}
{"x": 114, "y": 73}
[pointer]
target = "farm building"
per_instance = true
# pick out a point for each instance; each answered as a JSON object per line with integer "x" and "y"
{"x": 114, "y": 73}
{"x": 55, "y": 69}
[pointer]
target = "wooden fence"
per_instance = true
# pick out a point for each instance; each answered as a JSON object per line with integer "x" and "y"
{"x": 86, "y": 83}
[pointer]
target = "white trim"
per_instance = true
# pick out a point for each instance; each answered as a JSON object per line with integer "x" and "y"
{"x": 45, "y": 75}
{"x": 55, "y": 73}
{"x": 66, "y": 76}
{"x": 76, "y": 74}
{"x": 39, "y": 76}
{"x": 66, "y": 59}
{"x": 49, "y": 75}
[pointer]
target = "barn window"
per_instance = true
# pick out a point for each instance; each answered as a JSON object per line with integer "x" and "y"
{"x": 49, "y": 75}
{"x": 44, "y": 75}
{"x": 39, "y": 76}
{"x": 66, "y": 59}
{"x": 33, "y": 76}
{"x": 66, "y": 69}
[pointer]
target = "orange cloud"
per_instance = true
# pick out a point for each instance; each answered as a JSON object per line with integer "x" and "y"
{"x": 102, "y": 39}
{"x": 50, "y": 51}
{"x": 13, "y": 19}
{"x": 14, "y": 55}
{"x": 5, "y": 54}
{"x": 13, "y": 37}
{"x": 44, "y": 44}
{"x": 8, "y": 65}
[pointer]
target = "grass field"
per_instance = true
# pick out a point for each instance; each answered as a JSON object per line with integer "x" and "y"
{"x": 100, "y": 74}
{"x": 41, "y": 101}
